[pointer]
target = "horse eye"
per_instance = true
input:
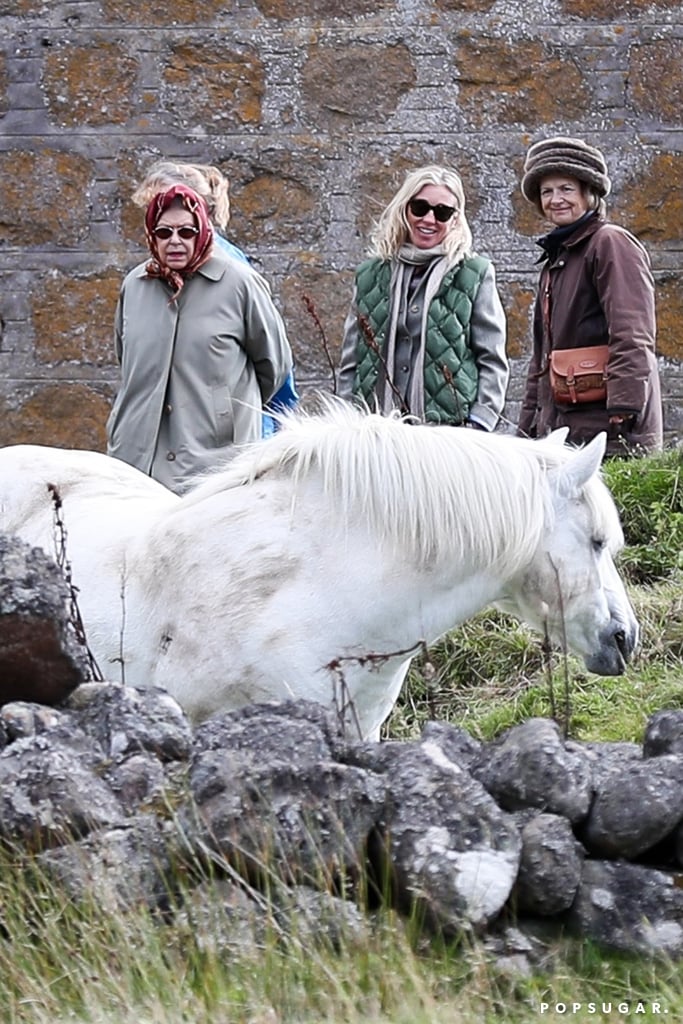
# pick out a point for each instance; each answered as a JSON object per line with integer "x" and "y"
{"x": 599, "y": 544}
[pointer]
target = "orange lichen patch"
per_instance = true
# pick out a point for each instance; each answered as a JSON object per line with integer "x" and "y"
{"x": 525, "y": 82}
{"x": 518, "y": 301}
{"x": 214, "y": 87}
{"x": 611, "y": 10}
{"x": 160, "y": 12}
{"x": 276, "y": 196}
{"x": 474, "y": 6}
{"x": 23, "y": 8}
{"x": 131, "y": 167}
{"x": 652, "y": 204}
{"x": 374, "y": 80}
{"x": 669, "y": 294}
{"x": 525, "y": 217}
{"x": 89, "y": 85}
{"x": 284, "y": 10}
{"x": 32, "y": 186}
{"x": 73, "y": 319}
{"x": 271, "y": 208}
{"x": 60, "y": 414}
{"x": 655, "y": 80}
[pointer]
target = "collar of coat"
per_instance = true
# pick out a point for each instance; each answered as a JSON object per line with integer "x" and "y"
{"x": 568, "y": 236}
{"x": 214, "y": 268}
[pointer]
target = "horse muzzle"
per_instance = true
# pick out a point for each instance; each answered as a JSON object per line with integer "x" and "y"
{"x": 617, "y": 646}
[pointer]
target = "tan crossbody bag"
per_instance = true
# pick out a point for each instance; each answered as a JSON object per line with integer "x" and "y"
{"x": 579, "y": 375}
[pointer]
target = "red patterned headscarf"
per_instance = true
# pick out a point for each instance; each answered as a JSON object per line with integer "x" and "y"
{"x": 196, "y": 205}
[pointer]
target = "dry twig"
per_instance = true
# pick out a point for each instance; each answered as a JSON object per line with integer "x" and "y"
{"x": 313, "y": 313}
{"x": 64, "y": 564}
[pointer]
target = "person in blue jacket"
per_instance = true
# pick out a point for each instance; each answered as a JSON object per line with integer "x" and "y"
{"x": 212, "y": 185}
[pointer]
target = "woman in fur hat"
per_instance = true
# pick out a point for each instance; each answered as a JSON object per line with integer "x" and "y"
{"x": 595, "y": 289}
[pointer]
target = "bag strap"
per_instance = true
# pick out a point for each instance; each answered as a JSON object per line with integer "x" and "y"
{"x": 546, "y": 304}
{"x": 545, "y": 316}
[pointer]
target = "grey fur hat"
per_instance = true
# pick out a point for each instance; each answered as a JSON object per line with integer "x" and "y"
{"x": 562, "y": 155}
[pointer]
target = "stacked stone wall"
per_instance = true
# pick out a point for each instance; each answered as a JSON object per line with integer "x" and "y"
{"x": 314, "y": 110}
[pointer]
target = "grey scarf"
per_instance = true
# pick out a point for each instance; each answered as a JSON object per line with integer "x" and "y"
{"x": 410, "y": 255}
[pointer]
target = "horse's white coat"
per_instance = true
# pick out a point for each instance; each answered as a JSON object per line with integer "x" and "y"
{"x": 315, "y": 563}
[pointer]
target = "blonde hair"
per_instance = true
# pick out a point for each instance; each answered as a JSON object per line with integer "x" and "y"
{"x": 392, "y": 229}
{"x": 206, "y": 180}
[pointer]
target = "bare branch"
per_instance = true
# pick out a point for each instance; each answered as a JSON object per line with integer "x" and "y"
{"x": 344, "y": 705}
{"x": 342, "y": 700}
{"x": 75, "y": 619}
{"x": 122, "y": 597}
{"x": 563, "y": 718}
{"x": 565, "y": 653}
{"x": 429, "y": 677}
{"x": 448, "y": 377}
{"x": 313, "y": 313}
{"x": 369, "y": 336}
{"x": 373, "y": 658}
{"x": 547, "y": 651}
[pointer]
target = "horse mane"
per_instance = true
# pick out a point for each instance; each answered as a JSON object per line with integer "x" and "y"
{"x": 428, "y": 490}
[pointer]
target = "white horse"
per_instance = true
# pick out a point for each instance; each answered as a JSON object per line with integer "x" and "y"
{"x": 316, "y": 563}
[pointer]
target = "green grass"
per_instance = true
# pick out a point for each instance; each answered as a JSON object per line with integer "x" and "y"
{"x": 63, "y": 962}
{"x": 491, "y": 673}
{"x": 649, "y": 495}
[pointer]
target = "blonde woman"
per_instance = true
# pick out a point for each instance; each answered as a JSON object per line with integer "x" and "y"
{"x": 426, "y": 330}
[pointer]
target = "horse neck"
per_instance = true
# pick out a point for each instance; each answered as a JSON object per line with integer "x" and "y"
{"x": 468, "y": 506}
{"x": 428, "y": 495}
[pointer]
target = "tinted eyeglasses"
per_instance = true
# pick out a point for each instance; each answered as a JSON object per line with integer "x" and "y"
{"x": 186, "y": 231}
{"x": 420, "y": 208}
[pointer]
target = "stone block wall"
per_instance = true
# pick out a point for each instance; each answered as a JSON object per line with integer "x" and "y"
{"x": 314, "y": 110}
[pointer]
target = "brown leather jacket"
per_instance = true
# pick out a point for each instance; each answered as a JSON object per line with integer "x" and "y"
{"x": 600, "y": 292}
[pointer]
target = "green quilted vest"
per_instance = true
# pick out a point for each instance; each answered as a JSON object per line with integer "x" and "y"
{"x": 450, "y": 372}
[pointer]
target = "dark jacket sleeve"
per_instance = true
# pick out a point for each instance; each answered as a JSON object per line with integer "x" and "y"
{"x": 625, "y": 287}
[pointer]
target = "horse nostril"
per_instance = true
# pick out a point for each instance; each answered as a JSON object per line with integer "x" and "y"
{"x": 624, "y": 647}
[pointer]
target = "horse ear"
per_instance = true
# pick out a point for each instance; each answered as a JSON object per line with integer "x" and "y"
{"x": 558, "y": 436}
{"x": 582, "y": 465}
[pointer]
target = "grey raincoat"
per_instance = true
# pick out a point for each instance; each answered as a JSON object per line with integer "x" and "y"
{"x": 196, "y": 371}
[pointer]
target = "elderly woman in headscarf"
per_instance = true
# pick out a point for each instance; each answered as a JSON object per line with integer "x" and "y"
{"x": 201, "y": 345}
{"x": 426, "y": 330}
{"x": 596, "y": 293}
{"x": 207, "y": 181}
{"x": 213, "y": 186}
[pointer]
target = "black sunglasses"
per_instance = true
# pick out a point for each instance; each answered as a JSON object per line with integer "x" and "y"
{"x": 186, "y": 231}
{"x": 420, "y": 208}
